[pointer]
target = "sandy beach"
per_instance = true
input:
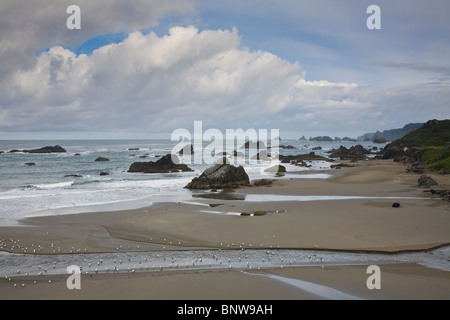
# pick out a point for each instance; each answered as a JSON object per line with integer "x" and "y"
{"x": 367, "y": 223}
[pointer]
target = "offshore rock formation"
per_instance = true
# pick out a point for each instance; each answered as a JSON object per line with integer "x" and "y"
{"x": 220, "y": 176}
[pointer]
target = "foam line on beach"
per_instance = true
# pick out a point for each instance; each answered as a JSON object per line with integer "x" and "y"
{"x": 316, "y": 289}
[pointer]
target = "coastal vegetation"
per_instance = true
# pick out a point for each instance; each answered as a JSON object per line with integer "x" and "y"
{"x": 429, "y": 144}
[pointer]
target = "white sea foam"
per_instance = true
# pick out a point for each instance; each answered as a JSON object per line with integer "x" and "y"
{"x": 54, "y": 185}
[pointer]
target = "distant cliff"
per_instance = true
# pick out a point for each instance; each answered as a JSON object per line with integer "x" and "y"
{"x": 391, "y": 135}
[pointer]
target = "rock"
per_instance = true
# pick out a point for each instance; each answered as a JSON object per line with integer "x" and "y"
{"x": 396, "y": 205}
{"x": 163, "y": 165}
{"x": 276, "y": 169}
{"x": 317, "y": 148}
{"x": 262, "y": 182}
{"x": 77, "y": 154}
{"x": 55, "y": 149}
{"x": 321, "y": 138}
{"x": 426, "y": 182}
{"x": 287, "y": 147}
{"x": 259, "y": 213}
{"x": 15, "y": 151}
{"x": 189, "y": 150}
{"x": 245, "y": 214}
{"x": 73, "y": 176}
{"x": 133, "y": 149}
{"x": 220, "y": 176}
{"x": 2, "y": 152}
{"x": 104, "y": 174}
{"x": 30, "y": 164}
{"x": 101, "y": 159}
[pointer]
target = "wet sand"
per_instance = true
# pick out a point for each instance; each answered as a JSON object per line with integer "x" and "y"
{"x": 371, "y": 225}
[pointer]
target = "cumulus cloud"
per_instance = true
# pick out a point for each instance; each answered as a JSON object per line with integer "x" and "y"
{"x": 152, "y": 80}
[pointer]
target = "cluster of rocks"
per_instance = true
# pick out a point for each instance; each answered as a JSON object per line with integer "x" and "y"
{"x": 405, "y": 155}
{"x": 355, "y": 153}
{"x": 416, "y": 167}
{"x": 426, "y": 181}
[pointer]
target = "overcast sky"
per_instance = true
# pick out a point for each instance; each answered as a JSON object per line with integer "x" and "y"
{"x": 143, "y": 68}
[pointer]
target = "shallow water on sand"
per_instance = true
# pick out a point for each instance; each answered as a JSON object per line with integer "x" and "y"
{"x": 245, "y": 259}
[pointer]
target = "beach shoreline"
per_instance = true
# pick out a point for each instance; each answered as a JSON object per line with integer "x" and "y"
{"x": 366, "y": 224}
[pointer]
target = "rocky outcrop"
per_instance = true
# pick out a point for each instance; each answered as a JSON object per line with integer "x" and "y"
{"x": 101, "y": 159}
{"x": 220, "y": 176}
{"x": 357, "y": 152}
{"x": 321, "y": 138}
{"x": 163, "y": 165}
{"x": 426, "y": 182}
{"x": 30, "y": 164}
{"x": 302, "y": 157}
{"x": 55, "y": 149}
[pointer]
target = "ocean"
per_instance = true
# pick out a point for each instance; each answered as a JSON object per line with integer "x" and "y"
{"x": 50, "y": 188}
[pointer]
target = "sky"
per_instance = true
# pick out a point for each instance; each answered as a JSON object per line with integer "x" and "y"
{"x": 141, "y": 69}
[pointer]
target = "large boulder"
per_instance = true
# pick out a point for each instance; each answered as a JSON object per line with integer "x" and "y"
{"x": 163, "y": 165}
{"x": 321, "y": 138}
{"x": 426, "y": 182}
{"x": 220, "y": 176}
{"x": 55, "y": 149}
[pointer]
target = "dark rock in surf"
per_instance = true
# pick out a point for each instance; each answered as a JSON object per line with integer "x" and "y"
{"x": 163, "y": 165}
{"x": 55, "y": 149}
{"x": 220, "y": 176}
